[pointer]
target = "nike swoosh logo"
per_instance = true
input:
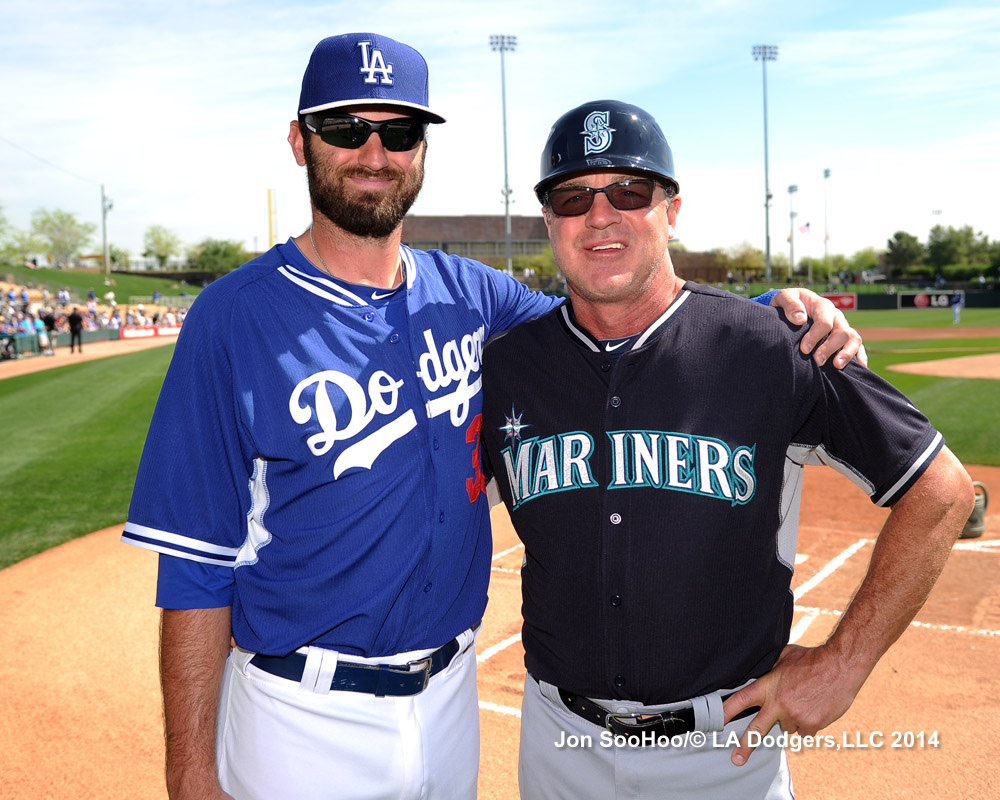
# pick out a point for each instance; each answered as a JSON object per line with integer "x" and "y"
{"x": 380, "y": 296}
{"x": 609, "y": 347}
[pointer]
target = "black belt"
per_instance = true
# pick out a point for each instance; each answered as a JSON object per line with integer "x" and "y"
{"x": 664, "y": 723}
{"x": 380, "y": 680}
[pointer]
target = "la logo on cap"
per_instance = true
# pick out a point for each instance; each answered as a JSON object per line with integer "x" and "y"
{"x": 374, "y": 63}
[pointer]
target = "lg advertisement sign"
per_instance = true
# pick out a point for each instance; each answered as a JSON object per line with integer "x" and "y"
{"x": 927, "y": 299}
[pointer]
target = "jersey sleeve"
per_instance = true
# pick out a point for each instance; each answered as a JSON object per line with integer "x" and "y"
{"x": 189, "y": 499}
{"x": 515, "y": 302}
{"x": 765, "y": 299}
{"x": 866, "y": 429}
{"x": 183, "y": 583}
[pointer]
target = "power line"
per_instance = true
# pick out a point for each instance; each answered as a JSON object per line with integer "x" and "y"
{"x": 47, "y": 162}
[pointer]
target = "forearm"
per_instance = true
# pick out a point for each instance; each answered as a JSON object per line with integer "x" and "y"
{"x": 194, "y": 645}
{"x": 811, "y": 687}
{"x": 909, "y": 555}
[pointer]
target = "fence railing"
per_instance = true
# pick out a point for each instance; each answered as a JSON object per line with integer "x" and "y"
{"x": 171, "y": 301}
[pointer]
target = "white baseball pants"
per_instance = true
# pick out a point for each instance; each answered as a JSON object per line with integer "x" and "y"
{"x": 278, "y": 738}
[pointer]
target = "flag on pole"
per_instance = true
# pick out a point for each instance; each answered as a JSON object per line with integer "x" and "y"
{"x": 804, "y": 228}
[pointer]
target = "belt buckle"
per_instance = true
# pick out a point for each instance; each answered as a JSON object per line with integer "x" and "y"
{"x": 619, "y": 717}
{"x": 422, "y": 665}
{"x": 643, "y": 721}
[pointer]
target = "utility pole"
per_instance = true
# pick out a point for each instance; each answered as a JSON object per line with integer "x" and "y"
{"x": 504, "y": 44}
{"x": 765, "y": 53}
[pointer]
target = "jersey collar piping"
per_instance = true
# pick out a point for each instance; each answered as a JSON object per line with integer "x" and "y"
{"x": 588, "y": 341}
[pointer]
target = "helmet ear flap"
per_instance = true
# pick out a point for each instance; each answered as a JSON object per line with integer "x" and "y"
{"x": 605, "y": 134}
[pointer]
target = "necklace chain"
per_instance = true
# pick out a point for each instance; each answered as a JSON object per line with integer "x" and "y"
{"x": 399, "y": 262}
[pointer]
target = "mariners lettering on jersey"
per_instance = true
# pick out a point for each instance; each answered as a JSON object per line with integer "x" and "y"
{"x": 679, "y": 462}
{"x": 455, "y": 362}
{"x": 381, "y": 398}
{"x": 597, "y": 131}
{"x": 375, "y": 62}
{"x": 683, "y": 463}
{"x": 537, "y": 467}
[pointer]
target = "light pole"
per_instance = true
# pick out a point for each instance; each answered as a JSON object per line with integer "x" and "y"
{"x": 791, "y": 234}
{"x": 765, "y": 53}
{"x": 106, "y": 206}
{"x": 505, "y": 44}
{"x": 826, "y": 227}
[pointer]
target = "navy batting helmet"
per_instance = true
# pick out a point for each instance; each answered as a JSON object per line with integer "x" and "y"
{"x": 605, "y": 134}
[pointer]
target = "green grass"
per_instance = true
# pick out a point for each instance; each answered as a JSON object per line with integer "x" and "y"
{"x": 81, "y": 282}
{"x": 73, "y": 435}
{"x": 72, "y": 440}
{"x": 924, "y": 318}
{"x": 964, "y": 410}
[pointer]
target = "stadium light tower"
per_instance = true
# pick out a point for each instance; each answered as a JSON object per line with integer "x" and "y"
{"x": 826, "y": 226}
{"x": 505, "y": 44}
{"x": 791, "y": 232}
{"x": 765, "y": 53}
{"x": 106, "y": 206}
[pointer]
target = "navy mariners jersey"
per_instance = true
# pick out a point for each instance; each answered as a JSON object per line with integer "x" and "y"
{"x": 657, "y": 492}
{"x": 315, "y": 444}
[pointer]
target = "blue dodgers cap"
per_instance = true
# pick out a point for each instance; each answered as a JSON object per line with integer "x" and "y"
{"x": 356, "y": 69}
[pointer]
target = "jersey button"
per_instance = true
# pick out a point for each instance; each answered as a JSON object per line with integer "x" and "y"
{"x": 437, "y": 444}
{"x": 606, "y": 366}
{"x": 619, "y": 681}
{"x": 441, "y": 517}
{"x": 616, "y": 401}
{"x": 616, "y": 519}
{"x": 616, "y": 600}
{"x": 394, "y": 338}
{"x": 369, "y": 316}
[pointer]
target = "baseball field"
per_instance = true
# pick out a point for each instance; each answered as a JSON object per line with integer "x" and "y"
{"x": 79, "y": 700}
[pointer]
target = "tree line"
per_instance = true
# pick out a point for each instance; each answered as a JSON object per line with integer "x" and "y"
{"x": 63, "y": 238}
{"x": 954, "y": 254}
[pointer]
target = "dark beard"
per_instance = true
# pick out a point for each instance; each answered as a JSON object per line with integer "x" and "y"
{"x": 370, "y": 215}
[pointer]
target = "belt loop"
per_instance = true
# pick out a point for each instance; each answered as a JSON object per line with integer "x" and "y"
{"x": 708, "y": 714}
{"x": 317, "y": 674}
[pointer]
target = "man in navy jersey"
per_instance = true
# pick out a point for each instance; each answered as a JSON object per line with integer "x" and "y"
{"x": 648, "y": 439}
{"x": 311, "y": 476}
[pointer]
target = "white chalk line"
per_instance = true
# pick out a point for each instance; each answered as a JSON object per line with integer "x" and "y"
{"x": 499, "y": 647}
{"x": 830, "y": 568}
{"x": 511, "y": 712}
{"x": 800, "y": 627}
{"x": 508, "y": 551}
{"x": 929, "y": 626}
{"x": 991, "y": 546}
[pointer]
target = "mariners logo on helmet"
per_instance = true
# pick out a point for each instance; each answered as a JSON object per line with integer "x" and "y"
{"x": 598, "y": 132}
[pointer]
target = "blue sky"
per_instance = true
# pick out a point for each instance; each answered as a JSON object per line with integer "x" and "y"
{"x": 182, "y": 109}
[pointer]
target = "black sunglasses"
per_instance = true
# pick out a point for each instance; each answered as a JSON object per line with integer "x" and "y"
{"x": 350, "y": 132}
{"x": 572, "y": 201}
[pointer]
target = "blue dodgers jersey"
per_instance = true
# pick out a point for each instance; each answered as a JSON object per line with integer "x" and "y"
{"x": 324, "y": 448}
